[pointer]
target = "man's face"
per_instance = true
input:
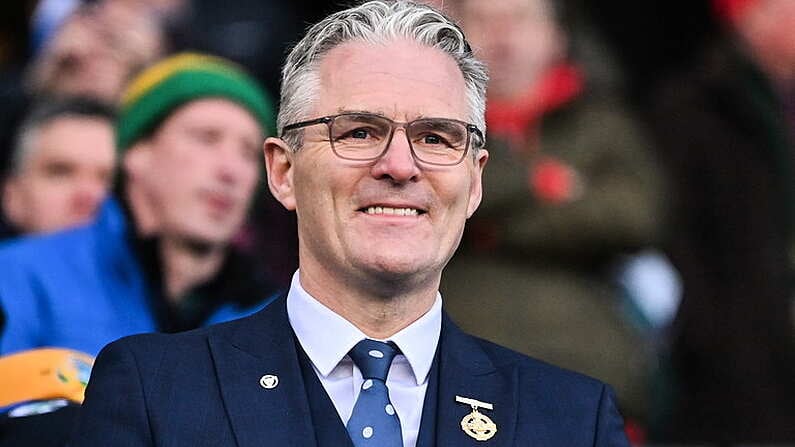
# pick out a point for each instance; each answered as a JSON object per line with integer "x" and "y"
{"x": 199, "y": 170}
{"x": 518, "y": 39}
{"x": 68, "y": 172}
{"x": 332, "y": 196}
{"x": 768, "y": 28}
{"x": 96, "y": 49}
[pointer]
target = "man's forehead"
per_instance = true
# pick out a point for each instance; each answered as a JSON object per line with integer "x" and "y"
{"x": 392, "y": 57}
{"x": 388, "y": 112}
{"x": 205, "y": 111}
{"x": 66, "y": 139}
{"x": 532, "y": 8}
{"x": 72, "y": 122}
{"x": 68, "y": 130}
{"x": 398, "y": 79}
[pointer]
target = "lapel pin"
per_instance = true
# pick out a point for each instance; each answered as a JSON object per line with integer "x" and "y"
{"x": 269, "y": 381}
{"x": 476, "y": 424}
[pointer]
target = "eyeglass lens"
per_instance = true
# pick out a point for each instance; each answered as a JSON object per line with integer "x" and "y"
{"x": 365, "y": 137}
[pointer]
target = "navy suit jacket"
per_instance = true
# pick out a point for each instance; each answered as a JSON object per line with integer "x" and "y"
{"x": 202, "y": 388}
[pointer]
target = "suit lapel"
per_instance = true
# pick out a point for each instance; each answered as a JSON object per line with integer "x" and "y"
{"x": 465, "y": 370}
{"x": 262, "y": 345}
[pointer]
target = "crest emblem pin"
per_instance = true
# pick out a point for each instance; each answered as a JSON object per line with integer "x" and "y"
{"x": 269, "y": 381}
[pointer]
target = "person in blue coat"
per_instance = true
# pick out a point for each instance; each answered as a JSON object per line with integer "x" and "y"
{"x": 381, "y": 155}
{"x": 158, "y": 255}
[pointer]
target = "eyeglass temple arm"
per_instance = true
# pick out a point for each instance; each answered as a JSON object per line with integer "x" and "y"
{"x": 289, "y": 127}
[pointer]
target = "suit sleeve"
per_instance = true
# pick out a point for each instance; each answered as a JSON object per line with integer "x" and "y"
{"x": 609, "y": 424}
{"x": 114, "y": 411}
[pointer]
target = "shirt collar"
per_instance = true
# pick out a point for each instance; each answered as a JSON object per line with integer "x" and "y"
{"x": 313, "y": 322}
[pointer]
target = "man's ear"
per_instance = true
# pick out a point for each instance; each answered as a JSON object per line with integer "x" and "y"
{"x": 476, "y": 185}
{"x": 279, "y": 165}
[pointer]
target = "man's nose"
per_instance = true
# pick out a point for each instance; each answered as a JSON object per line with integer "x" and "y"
{"x": 89, "y": 193}
{"x": 397, "y": 163}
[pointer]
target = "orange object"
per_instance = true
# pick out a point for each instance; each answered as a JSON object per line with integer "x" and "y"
{"x": 46, "y": 373}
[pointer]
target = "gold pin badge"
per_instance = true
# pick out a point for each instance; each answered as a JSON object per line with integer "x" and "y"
{"x": 476, "y": 424}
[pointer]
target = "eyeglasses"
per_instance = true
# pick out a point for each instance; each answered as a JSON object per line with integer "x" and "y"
{"x": 366, "y": 137}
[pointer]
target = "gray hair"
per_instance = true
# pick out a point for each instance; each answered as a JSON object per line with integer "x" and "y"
{"x": 376, "y": 22}
{"x": 46, "y": 111}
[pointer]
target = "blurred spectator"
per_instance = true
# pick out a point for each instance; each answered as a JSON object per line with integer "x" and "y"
{"x": 253, "y": 33}
{"x": 766, "y": 31}
{"x": 62, "y": 166}
{"x": 46, "y": 18}
{"x": 256, "y": 34}
{"x": 570, "y": 187}
{"x": 724, "y": 139}
{"x": 157, "y": 257}
{"x": 96, "y": 49}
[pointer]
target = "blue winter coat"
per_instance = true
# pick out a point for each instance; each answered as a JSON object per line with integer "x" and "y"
{"x": 80, "y": 288}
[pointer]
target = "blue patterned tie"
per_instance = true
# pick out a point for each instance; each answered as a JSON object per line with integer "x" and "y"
{"x": 374, "y": 422}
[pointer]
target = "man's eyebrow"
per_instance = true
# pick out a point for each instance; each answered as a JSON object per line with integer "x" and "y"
{"x": 379, "y": 112}
{"x": 373, "y": 112}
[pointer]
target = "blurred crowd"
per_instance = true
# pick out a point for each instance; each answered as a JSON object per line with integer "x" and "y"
{"x": 638, "y": 220}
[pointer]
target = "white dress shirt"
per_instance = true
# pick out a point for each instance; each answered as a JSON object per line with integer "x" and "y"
{"x": 326, "y": 337}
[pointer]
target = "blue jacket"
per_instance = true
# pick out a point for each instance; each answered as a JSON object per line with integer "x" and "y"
{"x": 80, "y": 288}
{"x": 202, "y": 388}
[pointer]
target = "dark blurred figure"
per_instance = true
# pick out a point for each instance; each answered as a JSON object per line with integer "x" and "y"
{"x": 253, "y": 33}
{"x": 725, "y": 141}
{"x": 14, "y": 34}
{"x": 571, "y": 187}
{"x": 61, "y": 168}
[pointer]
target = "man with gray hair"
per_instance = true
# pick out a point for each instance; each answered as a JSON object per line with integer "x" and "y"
{"x": 380, "y": 154}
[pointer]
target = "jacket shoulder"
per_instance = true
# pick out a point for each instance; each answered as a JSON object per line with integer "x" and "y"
{"x": 183, "y": 345}
{"x": 32, "y": 248}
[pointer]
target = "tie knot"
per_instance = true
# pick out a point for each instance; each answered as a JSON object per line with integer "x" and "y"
{"x": 373, "y": 358}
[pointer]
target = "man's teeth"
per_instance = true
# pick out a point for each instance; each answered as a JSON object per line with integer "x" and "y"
{"x": 394, "y": 211}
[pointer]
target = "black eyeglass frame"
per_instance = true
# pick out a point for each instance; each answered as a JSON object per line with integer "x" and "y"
{"x": 329, "y": 120}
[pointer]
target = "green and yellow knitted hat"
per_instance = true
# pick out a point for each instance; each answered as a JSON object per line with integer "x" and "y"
{"x": 152, "y": 95}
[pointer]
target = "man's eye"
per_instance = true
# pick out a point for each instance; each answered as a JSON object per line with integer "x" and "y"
{"x": 359, "y": 133}
{"x": 432, "y": 139}
{"x": 58, "y": 170}
{"x": 205, "y": 136}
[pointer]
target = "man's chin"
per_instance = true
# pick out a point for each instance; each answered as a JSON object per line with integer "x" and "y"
{"x": 202, "y": 239}
{"x": 393, "y": 276}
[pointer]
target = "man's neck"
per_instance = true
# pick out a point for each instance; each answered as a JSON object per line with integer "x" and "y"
{"x": 378, "y": 311}
{"x": 187, "y": 265}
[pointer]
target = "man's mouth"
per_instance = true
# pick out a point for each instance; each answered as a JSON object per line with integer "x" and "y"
{"x": 390, "y": 211}
{"x": 396, "y": 208}
{"x": 220, "y": 202}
